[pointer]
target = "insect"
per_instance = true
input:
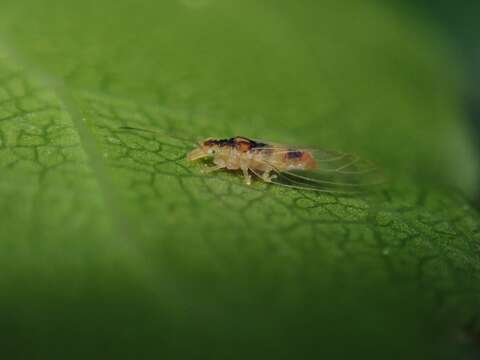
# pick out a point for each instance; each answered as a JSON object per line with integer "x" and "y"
{"x": 295, "y": 167}
{"x": 290, "y": 166}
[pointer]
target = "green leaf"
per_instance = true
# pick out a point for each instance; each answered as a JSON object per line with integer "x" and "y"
{"x": 114, "y": 245}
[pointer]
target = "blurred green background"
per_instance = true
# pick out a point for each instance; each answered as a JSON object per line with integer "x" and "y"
{"x": 113, "y": 245}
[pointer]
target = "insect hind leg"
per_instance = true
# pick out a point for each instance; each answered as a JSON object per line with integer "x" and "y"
{"x": 267, "y": 177}
{"x": 264, "y": 176}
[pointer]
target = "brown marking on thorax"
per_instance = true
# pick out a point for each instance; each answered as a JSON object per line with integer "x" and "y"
{"x": 239, "y": 143}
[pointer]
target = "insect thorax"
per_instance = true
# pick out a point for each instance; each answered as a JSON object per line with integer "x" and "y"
{"x": 240, "y": 143}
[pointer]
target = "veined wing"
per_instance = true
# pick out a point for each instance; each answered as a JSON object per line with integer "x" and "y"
{"x": 322, "y": 170}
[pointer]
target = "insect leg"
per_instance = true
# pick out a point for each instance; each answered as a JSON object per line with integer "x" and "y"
{"x": 267, "y": 177}
{"x": 246, "y": 175}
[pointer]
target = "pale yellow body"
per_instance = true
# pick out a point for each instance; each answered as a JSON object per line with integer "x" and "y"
{"x": 238, "y": 154}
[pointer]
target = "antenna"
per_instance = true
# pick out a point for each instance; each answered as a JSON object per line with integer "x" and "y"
{"x": 153, "y": 131}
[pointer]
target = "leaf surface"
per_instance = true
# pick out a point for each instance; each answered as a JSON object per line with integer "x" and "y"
{"x": 113, "y": 244}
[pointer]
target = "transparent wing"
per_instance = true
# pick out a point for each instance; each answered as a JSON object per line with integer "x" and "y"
{"x": 334, "y": 172}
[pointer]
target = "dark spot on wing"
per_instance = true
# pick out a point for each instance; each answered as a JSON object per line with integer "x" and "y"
{"x": 294, "y": 154}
